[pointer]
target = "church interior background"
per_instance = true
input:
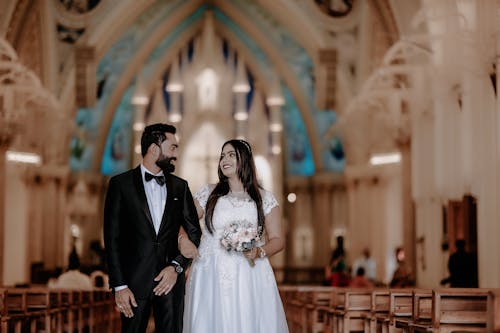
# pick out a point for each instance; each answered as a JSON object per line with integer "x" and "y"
{"x": 375, "y": 120}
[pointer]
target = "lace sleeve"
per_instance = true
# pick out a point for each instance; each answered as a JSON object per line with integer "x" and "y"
{"x": 202, "y": 195}
{"x": 268, "y": 202}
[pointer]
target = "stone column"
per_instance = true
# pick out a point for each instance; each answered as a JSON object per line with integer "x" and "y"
{"x": 299, "y": 248}
{"x": 3, "y": 151}
{"x": 47, "y": 230}
{"x": 321, "y": 217}
{"x": 407, "y": 206}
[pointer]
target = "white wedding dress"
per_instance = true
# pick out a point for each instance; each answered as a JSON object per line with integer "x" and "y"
{"x": 224, "y": 294}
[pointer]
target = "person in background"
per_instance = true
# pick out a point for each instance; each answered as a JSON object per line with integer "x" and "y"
{"x": 367, "y": 263}
{"x": 402, "y": 277}
{"x": 360, "y": 280}
{"x": 463, "y": 268}
{"x": 73, "y": 278}
{"x": 336, "y": 272}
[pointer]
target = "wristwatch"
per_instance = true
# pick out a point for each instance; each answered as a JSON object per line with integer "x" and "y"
{"x": 178, "y": 268}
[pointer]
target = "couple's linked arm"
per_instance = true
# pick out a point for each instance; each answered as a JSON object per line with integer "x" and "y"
{"x": 190, "y": 232}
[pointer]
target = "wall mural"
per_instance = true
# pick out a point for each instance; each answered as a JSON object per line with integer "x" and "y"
{"x": 298, "y": 150}
{"x": 117, "y": 152}
{"x": 332, "y": 151}
{"x": 116, "y": 159}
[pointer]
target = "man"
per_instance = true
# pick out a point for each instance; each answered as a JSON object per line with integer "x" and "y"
{"x": 367, "y": 263}
{"x": 144, "y": 211}
{"x": 463, "y": 268}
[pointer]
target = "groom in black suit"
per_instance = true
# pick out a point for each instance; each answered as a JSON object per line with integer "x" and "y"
{"x": 144, "y": 210}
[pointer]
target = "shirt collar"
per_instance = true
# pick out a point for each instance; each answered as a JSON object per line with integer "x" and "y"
{"x": 144, "y": 170}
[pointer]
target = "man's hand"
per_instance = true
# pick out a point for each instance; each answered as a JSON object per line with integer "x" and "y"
{"x": 187, "y": 248}
{"x": 124, "y": 300}
{"x": 166, "y": 281}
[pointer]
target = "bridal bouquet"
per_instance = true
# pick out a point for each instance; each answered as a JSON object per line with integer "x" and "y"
{"x": 240, "y": 236}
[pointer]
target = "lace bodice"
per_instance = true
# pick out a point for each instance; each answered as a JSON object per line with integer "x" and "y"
{"x": 229, "y": 208}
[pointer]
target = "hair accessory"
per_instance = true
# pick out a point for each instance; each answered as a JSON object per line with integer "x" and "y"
{"x": 246, "y": 145}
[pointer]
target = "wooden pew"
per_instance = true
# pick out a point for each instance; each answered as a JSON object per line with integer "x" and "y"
{"x": 39, "y": 309}
{"x": 379, "y": 309}
{"x": 14, "y": 310}
{"x": 44, "y": 309}
{"x": 315, "y": 318}
{"x": 494, "y": 310}
{"x": 297, "y": 309}
{"x": 422, "y": 311}
{"x": 463, "y": 310}
{"x": 3, "y": 312}
{"x": 287, "y": 294}
{"x": 351, "y": 308}
{"x": 334, "y": 310}
{"x": 327, "y": 312}
{"x": 400, "y": 310}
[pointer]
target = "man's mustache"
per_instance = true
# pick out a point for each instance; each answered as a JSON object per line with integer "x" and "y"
{"x": 166, "y": 164}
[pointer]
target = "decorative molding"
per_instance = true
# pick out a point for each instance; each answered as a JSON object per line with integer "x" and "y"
{"x": 17, "y": 20}
{"x": 85, "y": 64}
{"x": 326, "y": 79}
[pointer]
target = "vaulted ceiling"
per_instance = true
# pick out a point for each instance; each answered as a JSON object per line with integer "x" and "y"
{"x": 105, "y": 46}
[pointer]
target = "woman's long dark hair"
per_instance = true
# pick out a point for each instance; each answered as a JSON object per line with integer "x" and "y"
{"x": 245, "y": 167}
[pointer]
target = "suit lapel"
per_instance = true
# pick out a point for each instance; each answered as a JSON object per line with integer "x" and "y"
{"x": 141, "y": 195}
{"x": 168, "y": 202}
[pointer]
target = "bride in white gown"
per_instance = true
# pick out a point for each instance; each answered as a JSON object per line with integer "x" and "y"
{"x": 224, "y": 293}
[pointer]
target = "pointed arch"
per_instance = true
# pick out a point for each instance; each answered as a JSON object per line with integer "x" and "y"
{"x": 281, "y": 65}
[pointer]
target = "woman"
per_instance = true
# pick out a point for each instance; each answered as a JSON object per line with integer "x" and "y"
{"x": 225, "y": 293}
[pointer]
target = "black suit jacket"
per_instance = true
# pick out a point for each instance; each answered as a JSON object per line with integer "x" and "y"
{"x": 135, "y": 253}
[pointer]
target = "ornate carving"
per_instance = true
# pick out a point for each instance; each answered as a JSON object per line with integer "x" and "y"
{"x": 85, "y": 73}
{"x": 23, "y": 8}
{"x": 384, "y": 31}
{"x": 67, "y": 34}
{"x": 326, "y": 79}
{"x": 24, "y": 34}
{"x": 20, "y": 91}
{"x": 335, "y": 8}
{"x": 79, "y": 6}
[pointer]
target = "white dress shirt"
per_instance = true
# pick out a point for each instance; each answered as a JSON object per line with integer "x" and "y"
{"x": 156, "y": 195}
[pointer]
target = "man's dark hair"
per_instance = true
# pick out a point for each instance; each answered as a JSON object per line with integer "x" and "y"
{"x": 155, "y": 134}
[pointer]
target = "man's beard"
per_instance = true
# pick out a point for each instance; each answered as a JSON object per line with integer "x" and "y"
{"x": 165, "y": 163}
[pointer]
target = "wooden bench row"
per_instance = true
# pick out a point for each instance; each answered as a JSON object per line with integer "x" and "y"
{"x": 314, "y": 309}
{"x": 37, "y": 310}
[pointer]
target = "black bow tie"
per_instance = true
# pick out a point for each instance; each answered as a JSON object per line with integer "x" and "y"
{"x": 159, "y": 179}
